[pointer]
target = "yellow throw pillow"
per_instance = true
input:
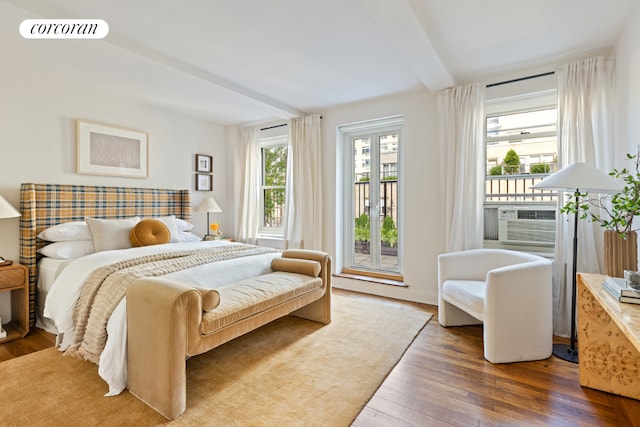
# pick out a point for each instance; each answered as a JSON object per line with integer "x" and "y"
{"x": 149, "y": 232}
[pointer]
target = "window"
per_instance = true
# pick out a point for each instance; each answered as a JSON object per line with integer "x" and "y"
{"x": 521, "y": 149}
{"x": 519, "y": 146}
{"x": 273, "y": 186}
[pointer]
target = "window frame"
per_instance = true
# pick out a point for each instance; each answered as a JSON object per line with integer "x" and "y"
{"x": 526, "y": 102}
{"x": 363, "y": 129}
{"x": 266, "y": 143}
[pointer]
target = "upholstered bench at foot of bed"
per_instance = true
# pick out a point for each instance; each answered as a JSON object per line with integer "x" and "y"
{"x": 169, "y": 321}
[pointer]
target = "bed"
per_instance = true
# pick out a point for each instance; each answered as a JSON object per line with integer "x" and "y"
{"x": 238, "y": 282}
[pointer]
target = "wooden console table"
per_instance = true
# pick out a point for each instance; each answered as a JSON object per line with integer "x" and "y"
{"x": 608, "y": 339}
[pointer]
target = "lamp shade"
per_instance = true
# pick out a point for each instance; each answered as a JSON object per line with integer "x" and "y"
{"x": 208, "y": 205}
{"x": 580, "y": 176}
{"x": 7, "y": 210}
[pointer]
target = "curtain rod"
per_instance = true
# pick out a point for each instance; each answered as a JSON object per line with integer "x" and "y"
{"x": 273, "y": 127}
{"x": 277, "y": 126}
{"x": 550, "y": 73}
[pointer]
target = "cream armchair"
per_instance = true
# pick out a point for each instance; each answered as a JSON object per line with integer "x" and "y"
{"x": 509, "y": 292}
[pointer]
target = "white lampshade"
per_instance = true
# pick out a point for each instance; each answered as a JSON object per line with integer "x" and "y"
{"x": 208, "y": 205}
{"x": 7, "y": 210}
{"x": 582, "y": 177}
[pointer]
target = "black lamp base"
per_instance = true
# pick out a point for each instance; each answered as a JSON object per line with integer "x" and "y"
{"x": 565, "y": 352}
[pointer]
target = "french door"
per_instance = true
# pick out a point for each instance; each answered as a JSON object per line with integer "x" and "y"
{"x": 373, "y": 203}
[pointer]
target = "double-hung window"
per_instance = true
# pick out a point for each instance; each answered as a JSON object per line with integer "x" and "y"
{"x": 273, "y": 153}
{"x": 521, "y": 148}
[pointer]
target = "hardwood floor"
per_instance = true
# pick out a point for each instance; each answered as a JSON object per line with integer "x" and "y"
{"x": 443, "y": 380}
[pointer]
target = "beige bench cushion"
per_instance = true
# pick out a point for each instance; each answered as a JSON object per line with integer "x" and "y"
{"x": 248, "y": 297}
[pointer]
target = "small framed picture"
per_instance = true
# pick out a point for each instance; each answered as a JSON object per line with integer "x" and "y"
{"x": 203, "y": 163}
{"x": 204, "y": 182}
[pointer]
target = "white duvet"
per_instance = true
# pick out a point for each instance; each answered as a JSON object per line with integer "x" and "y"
{"x": 61, "y": 299}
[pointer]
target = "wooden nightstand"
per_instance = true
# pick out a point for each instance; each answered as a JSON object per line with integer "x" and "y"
{"x": 14, "y": 278}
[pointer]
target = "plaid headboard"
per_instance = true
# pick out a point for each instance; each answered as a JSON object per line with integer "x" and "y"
{"x": 45, "y": 205}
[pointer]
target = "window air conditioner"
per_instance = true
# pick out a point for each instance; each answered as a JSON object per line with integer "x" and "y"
{"x": 527, "y": 225}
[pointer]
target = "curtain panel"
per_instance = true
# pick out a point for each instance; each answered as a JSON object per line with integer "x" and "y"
{"x": 461, "y": 111}
{"x": 585, "y": 134}
{"x": 303, "y": 202}
{"x": 250, "y": 199}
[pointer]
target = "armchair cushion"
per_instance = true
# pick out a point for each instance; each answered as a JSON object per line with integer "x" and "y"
{"x": 466, "y": 294}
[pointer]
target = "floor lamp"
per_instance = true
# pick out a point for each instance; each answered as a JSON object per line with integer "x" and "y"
{"x": 576, "y": 178}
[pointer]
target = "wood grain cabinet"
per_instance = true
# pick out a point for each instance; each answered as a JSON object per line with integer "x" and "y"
{"x": 608, "y": 339}
{"x": 14, "y": 278}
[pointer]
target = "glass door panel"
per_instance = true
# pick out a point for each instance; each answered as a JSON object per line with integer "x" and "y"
{"x": 375, "y": 202}
{"x": 361, "y": 202}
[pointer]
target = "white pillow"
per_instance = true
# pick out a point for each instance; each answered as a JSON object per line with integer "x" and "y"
{"x": 183, "y": 225}
{"x": 186, "y": 236}
{"x": 74, "y": 230}
{"x": 67, "y": 250}
{"x": 170, "y": 222}
{"x": 108, "y": 234}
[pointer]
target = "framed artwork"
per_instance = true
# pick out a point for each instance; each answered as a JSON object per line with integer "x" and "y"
{"x": 110, "y": 150}
{"x": 204, "y": 182}
{"x": 203, "y": 163}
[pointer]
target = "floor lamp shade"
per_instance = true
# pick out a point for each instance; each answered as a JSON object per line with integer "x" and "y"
{"x": 580, "y": 176}
{"x": 576, "y": 178}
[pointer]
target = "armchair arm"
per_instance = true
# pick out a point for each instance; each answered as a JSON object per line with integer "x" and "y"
{"x": 519, "y": 305}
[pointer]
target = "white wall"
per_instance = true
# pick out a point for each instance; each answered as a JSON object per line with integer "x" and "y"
{"x": 423, "y": 235}
{"x": 627, "y": 128}
{"x": 37, "y": 137}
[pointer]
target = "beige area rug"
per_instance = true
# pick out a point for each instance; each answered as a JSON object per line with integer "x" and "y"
{"x": 292, "y": 372}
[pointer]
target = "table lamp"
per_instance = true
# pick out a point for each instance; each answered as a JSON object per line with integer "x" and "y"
{"x": 576, "y": 178}
{"x": 208, "y": 205}
{"x": 7, "y": 211}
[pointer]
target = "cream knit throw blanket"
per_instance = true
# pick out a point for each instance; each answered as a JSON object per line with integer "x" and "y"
{"x": 107, "y": 285}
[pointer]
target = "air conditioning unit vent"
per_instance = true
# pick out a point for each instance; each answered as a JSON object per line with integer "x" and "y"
{"x": 527, "y": 225}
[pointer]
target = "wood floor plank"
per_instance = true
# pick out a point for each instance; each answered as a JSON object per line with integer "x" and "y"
{"x": 443, "y": 380}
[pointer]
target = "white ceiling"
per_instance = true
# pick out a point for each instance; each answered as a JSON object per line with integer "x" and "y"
{"x": 252, "y": 61}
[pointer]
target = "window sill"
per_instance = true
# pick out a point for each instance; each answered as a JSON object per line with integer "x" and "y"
{"x": 384, "y": 279}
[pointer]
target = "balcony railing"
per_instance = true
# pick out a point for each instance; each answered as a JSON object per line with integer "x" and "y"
{"x": 517, "y": 188}
{"x": 388, "y": 199}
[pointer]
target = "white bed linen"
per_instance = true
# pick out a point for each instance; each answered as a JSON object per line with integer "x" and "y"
{"x": 64, "y": 293}
{"x": 48, "y": 271}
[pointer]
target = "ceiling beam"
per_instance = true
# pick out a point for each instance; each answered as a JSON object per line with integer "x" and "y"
{"x": 399, "y": 23}
{"x": 45, "y": 10}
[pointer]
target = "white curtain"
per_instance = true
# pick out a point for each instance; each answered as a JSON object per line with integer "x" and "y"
{"x": 303, "y": 205}
{"x": 461, "y": 111}
{"x": 250, "y": 198}
{"x": 585, "y": 134}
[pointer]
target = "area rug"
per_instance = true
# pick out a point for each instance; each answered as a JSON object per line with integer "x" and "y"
{"x": 291, "y": 372}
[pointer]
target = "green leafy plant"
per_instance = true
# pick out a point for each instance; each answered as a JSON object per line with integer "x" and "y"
{"x": 614, "y": 212}
{"x": 495, "y": 170}
{"x": 511, "y": 162}
{"x": 362, "y": 229}
{"x": 539, "y": 168}
{"x": 389, "y": 231}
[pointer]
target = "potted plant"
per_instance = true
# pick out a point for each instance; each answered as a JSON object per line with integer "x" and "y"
{"x": 615, "y": 213}
{"x": 362, "y": 234}
{"x": 389, "y": 237}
